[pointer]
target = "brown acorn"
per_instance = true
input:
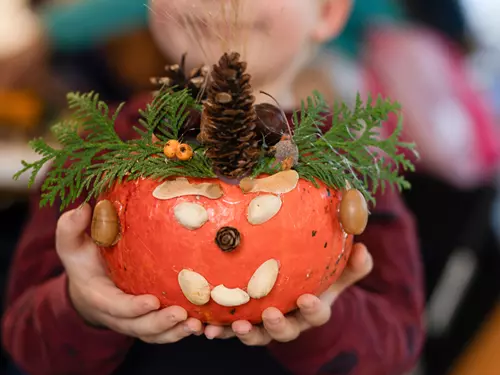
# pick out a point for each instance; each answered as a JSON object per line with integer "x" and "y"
{"x": 353, "y": 212}
{"x": 105, "y": 228}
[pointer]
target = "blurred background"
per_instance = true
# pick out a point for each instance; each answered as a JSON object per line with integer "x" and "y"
{"x": 440, "y": 59}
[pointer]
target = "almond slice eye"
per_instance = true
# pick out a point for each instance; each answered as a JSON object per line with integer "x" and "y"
{"x": 263, "y": 208}
{"x": 190, "y": 215}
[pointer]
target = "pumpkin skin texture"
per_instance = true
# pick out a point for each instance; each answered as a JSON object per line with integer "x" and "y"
{"x": 305, "y": 237}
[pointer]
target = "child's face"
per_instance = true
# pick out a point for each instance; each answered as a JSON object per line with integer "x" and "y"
{"x": 271, "y": 35}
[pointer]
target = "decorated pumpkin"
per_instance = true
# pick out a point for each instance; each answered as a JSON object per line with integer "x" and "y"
{"x": 218, "y": 206}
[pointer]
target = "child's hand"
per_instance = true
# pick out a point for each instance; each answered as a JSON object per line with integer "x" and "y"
{"x": 100, "y": 302}
{"x": 313, "y": 311}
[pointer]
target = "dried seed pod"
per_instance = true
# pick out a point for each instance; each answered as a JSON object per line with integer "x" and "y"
{"x": 353, "y": 212}
{"x": 286, "y": 153}
{"x": 170, "y": 149}
{"x": 105, "y": 227}
{"x": 271, "y": 123}
{"x": 184, "y": 152}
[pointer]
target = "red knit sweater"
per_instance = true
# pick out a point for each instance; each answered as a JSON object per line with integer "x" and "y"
{"x": 376, "y": 326}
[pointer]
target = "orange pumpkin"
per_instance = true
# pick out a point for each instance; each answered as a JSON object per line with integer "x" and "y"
{"x": 304, "y": 237}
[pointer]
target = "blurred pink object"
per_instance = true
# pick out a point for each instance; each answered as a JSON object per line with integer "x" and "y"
{"x": 450, "y": 121}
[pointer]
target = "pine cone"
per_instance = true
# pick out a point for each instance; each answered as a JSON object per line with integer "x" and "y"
{"x": 228, "y": 124}
{"x": 228, "y": 239}
{"x": 176, "y": 77}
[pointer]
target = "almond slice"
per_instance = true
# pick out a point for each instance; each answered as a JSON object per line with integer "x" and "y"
{"x": 229, "y": 297}
{"x": 190, "y": 215}
{"x": 263, "y": 208}
{"x": 181, "y": 187}
{"x": 263, "y": 279}
{"x": 279, "y": 183}
{"x": 194, "y": 287}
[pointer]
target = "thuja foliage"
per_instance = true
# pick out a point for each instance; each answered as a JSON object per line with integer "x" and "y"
{"x": 352, "y": 152}
{"x": 91, "y": 156}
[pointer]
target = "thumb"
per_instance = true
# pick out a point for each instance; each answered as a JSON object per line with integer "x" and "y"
{"x": 359, "y": 265}
{"x": 71, "y": 227}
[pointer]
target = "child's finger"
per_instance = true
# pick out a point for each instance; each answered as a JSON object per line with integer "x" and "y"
{"x": 313, "y": 311}
{"x": 358, "y": 266}
{"x": 218, "y": 332}
{"x": 70, "y": 230}
{"x": 152, "y": 324}
{"x": 103, "y": 295}
{"x": 279, "y": 327}
{"x": 251, "y": 335}
{"x": 176, "y": 333}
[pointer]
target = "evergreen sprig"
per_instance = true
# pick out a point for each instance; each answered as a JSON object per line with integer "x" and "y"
{"x": 351, "y": 152}
{"x": 92, "y": 157}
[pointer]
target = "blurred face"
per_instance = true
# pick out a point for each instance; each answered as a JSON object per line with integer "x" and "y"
{"x": 271, "y": 35}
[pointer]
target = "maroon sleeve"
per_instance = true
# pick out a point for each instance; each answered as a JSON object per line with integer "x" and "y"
{"x": 42, "y": 332}
{"x": 376, "y": 326}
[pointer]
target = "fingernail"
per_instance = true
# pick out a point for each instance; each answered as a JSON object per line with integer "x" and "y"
{"x": 309, "y": 305}
{"x": 171, "y": 318}
{"x": 368, "y": 259}
{"x": 306, "y": 306}
{"x": 243, "y": 332}
{"x": 150, "y": 306}
{"x": 274, "y": 320}
{"x": 188, "y": 329}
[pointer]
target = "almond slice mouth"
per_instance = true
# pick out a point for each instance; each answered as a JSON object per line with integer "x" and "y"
{"x": 194, "y": 287}
{"x": 263, "y": 280}
{"x": 229, "y": 297}
{"x": 197, "y": 289}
